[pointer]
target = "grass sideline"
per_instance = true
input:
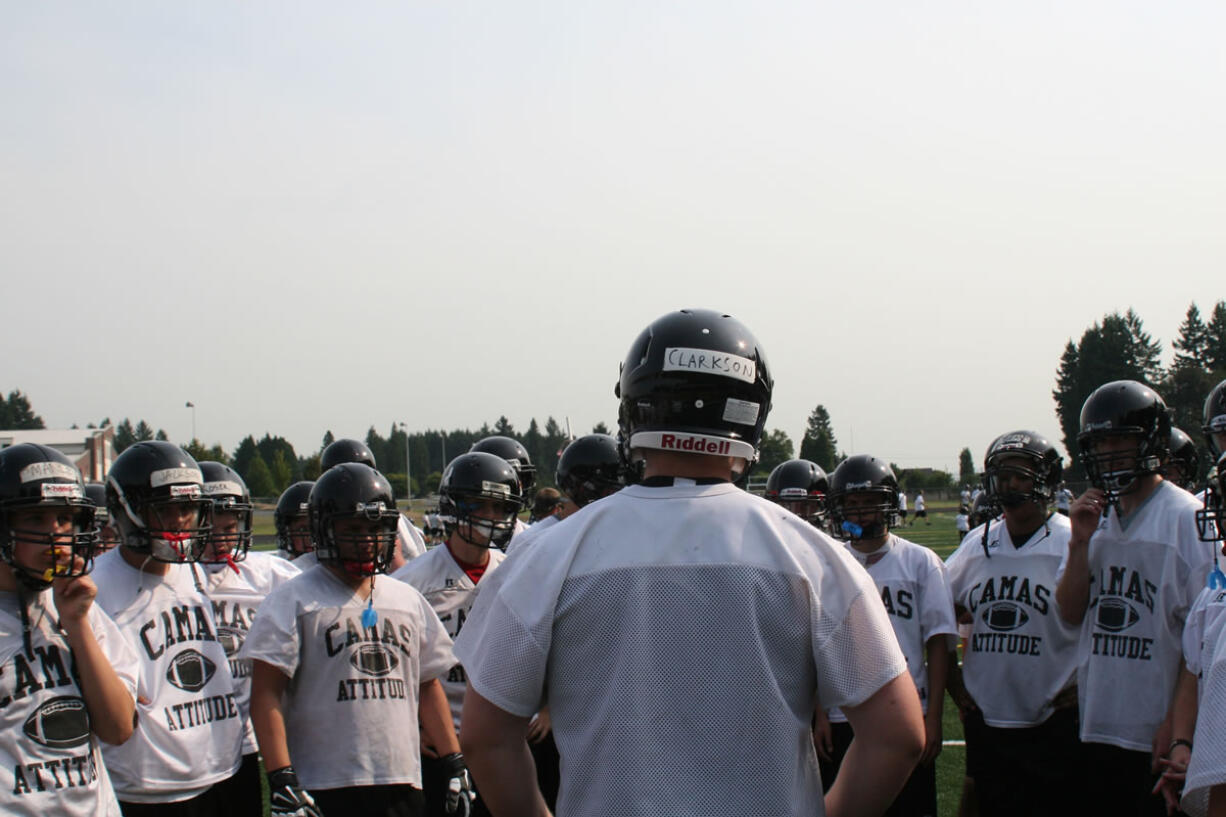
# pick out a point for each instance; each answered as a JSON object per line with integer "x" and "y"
{"x": 938, "y": 534}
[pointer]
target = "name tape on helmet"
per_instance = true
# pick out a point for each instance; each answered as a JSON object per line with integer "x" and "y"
{"x": 61, "y": 490}
{"x": 496, "y": 487}
{"x": 741, "y": 411}
{"x": 48, "y": 470}
{"x": 793, "y": 492}
{"x": 168, "y": 475}
{"x": 1218, "y": 424}
{"x": 180, "y": 491}
{"x": 708, "y": 361}
{"x": 223, "y": 487}
{"x": 363, "y": 507}
{"x": 692, "y": 444}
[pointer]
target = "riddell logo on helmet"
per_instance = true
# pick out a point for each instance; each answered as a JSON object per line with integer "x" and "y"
{"x": 699, "y": 445}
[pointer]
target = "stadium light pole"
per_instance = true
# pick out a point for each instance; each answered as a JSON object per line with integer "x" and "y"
{"x": 442, "y": 444}
{"x": 408, "y": 481}
{"x": 189, "y": 404}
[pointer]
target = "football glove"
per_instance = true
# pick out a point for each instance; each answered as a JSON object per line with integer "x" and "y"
{"x": 460, "y": 795}
{"x": 287, "y": 798}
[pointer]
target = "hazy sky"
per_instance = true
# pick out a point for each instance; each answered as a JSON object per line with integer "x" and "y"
{"x": 308, "y": 216}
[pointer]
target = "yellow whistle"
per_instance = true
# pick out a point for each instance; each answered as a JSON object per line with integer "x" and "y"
{"x": 48, "y": 573}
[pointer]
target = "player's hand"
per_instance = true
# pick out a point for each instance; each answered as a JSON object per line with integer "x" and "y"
{"x": 1174, "y": 770}
{"x": 539, "y": 728}
{"x": 73, "y": 598}
{"x": 823, "y": 738}
{"x": 460, "y": 794}
{"x": 932, "y": 737}
{"x": 287, "y": 798}
{"x": 1085, "y": 512}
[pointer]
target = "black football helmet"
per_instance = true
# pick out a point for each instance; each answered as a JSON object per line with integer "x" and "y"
{"x": 345, "y": 450}
{"x": 229, "y": 493}
{"x": 470, "y": 480}
{"x": 590, "y": 468}
{"x": 36, "y": 477}
{"x": 695, "y": 381}
{"x": 1213, "y": 420}
{"x": 1211, "y": 518}
{"x": 354, "y": 491}
{"x": 293, "y": 504}
{"x": 155, "y": 493}
{"x": 1183, "y": 461}
{"x": 1123, "y": 408}
{"x": 800, "y": 486}
{"x": 1044, "y": 469}
{"x": 863, "y": 474}
{"x": 515, "y": 454}
{"x": 95, "y": 492}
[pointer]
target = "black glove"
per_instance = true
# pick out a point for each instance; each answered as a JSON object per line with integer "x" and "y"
{"x": 288, "y": 798}
{"x": 460, "y": 794}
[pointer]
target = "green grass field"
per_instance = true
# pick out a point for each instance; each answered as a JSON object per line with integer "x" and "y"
{"x": 941, "y": 536}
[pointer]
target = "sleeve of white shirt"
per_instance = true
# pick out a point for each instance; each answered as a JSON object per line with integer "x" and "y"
{"x": 1207, "y": 768}
{"x": 274, "y": 637}
{"x": 936, "y": 602}
{"x": 859, "y": 653}
{"x": 118, "y": 650}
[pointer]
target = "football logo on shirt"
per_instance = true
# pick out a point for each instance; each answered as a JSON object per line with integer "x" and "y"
{"x": 374, "y": 659}
{"x": 1115, "y": 614}
{"x": 231, "y": 639}
{"x": 1003, "y": 616}
{"x": 59, "y": 723}
{"x": 190, "y": 671}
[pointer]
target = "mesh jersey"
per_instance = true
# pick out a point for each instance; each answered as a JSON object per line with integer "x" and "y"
{"x": 409, "y": 539}
{"x": 235, "y": 598}
{"x": 530, "y": 535}
{"x": 351, "y": 704}
{"x": 1207, "y": 768}
{"x": 189, "y": 735}
{"x": 915, "y": 591}
{"x": 439, "y": 578}
{"x": 1144, "y": 576}
{"x": 1020, "y": 653}
{"x": 50, "y": 761}
{"x": 679, "y": 635}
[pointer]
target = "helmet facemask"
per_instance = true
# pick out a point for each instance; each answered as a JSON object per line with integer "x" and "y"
{"x": 1003, "y": 477}
{"x": 230, "y": 538}
{"x": 463, "y": 515}
{"x": 853, "y": 524}
{"x": 172, "y": 526}
{"x": 1114, "y": 469}
{"x": 62, "y": 555}
{"x": 808, "y": 507}
{"x": 362, "y": 541}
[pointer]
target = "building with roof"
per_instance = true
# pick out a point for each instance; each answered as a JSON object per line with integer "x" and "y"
{"x": 91, "y": 449}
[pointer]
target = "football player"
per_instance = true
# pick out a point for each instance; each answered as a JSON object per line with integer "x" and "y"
{"x": 626, "y": 616}
{"x": 95, "y": 492}
{"x": 1213, "y": 421}
{"x": 344, "y": 668}
{"x": 67, "y": 676}
{"x": 409, "y": 540}
{"x": 293, "y": 525}
{"x": 479, "y": 500}
{"x": 801, "y": 487}
{"x": 517, "y": 456}
{"x": 189, "y": 728}
{"x": 236, "y": 581}
{"x": 913, "y": 587}
{"x": 1132, "y": 569}
{"x": 1182, "y": 465}
{"x": 1015, "y": 688}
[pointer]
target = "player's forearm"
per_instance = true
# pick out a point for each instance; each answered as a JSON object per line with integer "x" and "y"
{"x": 1183, "y": 707}
{"x": 939, "y": 658}
{"x": 437, "y": 727}
{"x": 1217, "y": 801}
{"x": 1073, "y": 592}
{"x": 266, "y": 716}
{"x": 112, "y": 710}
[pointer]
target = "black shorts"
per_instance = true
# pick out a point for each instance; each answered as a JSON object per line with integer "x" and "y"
{"x": 401, "y": 800}
{"x": 923, "y": 513}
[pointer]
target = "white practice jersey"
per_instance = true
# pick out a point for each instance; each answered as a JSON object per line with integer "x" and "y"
{"x": 439, "y": 578}
{"x": 915, "y": 591}
{"x": 919, "y": 503}
{"x": 1207, "y": 768}
{"x": 189, "y": 736}
{"x": 1144, "y": 576}
{"x": 351, "y": 704}
{"x": 530, "y": 535}
{"x": 902, "y": 501}
{"x": 409, "y": 539}
{"x": 1020, "y": 653}
{"x": 235, "y": 598}
{"x": 50, "y": 761}
{"x": 659, "y": 614}
{"x": 306, "y": 561}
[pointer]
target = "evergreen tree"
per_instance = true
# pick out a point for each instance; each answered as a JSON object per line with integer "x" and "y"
{"x": 818, "y": 444}
{"x": 17, "y": 413}
{"x": 1192, "y": 345}
{"x": 259, "y": 478}
{"x": 125, "y": 435}
{"x": 966, "y": 468}
{"x": 774, "y": 448}
{"x": 244, "y": 455}
{"x": 143, "y": 432}
{"x": 600, "y": 428}
{"x": 503, "y": 427}
{"x": 1215, "y": 339}
{"x": 327, "y": 440}
{"x": 281, "y": 471}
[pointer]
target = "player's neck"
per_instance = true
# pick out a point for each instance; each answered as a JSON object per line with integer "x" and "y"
{"x": 467, "y": 554}
{"x": 8, "y": 581}
{"x": 358, "y": 584}
{"x": 869, "y": 545}
{"x": 1023, "y": 521}
{"x": 1132, "y": 500}
{"x": 143, "y": 561}
{"x": 688, "y": 466}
